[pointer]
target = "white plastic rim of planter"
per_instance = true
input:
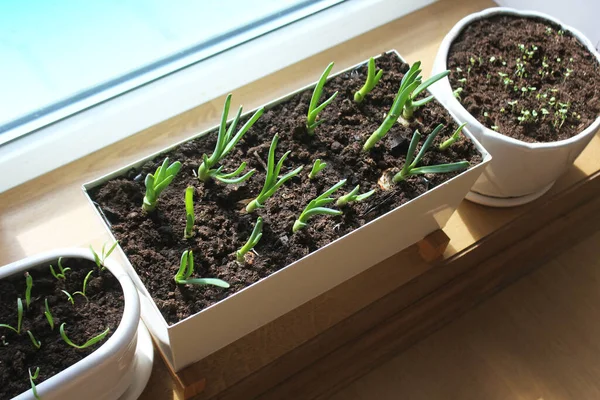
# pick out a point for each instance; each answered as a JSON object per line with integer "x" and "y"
{"x": 106, "y": 373}
{"x": 520, "y": 172}
{"x": 201, "y": 334}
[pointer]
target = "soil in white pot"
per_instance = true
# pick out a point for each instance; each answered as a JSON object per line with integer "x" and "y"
{"x": 525, "y": 78}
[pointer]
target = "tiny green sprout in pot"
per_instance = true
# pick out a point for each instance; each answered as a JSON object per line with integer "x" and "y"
{"x": 189, "y": 212}
{"x": 372, "y": 80}
{"x": 252, "y": 241}
{"x": 36, "y": 343}
{"x": 186, "y": 270}
{"x": 62, "y": 272}
{"x": 318, "y": 166}
{"x": 410, "y": 166}
{"x": 272, "y": 180}
{"x": 48, "y": 314}
{"x": 99, "y": 259}
{"x": 28, "y": 287}
{"x": 226, "y": 141}
{"x": 87, "y": 344}
{"x": 69, "y": 297}
{"x": 85, "y": 282}
{"x": 454, "y": 138}
{"x": 316, "y": 207}
{"x": 313, "y": 109}
{"x": 353, "y": 196}
{"x": 32, "y": 378}
{"x": 17, "y": 330}
{"x": 158, "y": 182}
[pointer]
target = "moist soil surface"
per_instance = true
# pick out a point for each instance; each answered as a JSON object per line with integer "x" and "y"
{"x": 84, "y": 320}
{"x": 525, "y": 78}
{"x": 154, "y": 242}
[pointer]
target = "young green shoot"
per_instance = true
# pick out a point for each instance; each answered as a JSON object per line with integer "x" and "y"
{"x": 48, "y": 315}
{"x": 226, "y": 141}
{"x": 69, "y": 297}
{"x": 36, "y": 343}
{"x": 158, "y": 182}
{"x": 189, "y": 212}
{"x": 318, "y": 166}
{"x": 252, "y": 241}
{"x": 372, "y": 80}
{"x": 272, "y": 180}
{"x": 353, "y": 196}
{"x": 85, "y": 282}
{"x": 17, "y": 330}
{"x": 87, "y": 344}
{"x": 100, "y": 259}
{"x": 62, "y": 272}
{"x": 454, "y": 138}
{"x": 313, "y": 109}
{"x": 410, "y": 166}
{"x": 316, "y": 207}
{"x": 186, "y": 269}
{"x": 28, "y": 287}
{"x": 32, "y": 379}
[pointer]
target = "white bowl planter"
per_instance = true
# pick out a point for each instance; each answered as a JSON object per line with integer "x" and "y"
{"x": 520, "y": 172}
{"x": 108, "y": 372}
{"x": 199, "y": 335}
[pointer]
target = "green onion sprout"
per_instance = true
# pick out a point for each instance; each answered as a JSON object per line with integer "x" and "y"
{"x": 62, "y": 271}
{"x": 28, "y": 286}
{"x": 32, "y": 379}
{"x": 226, "y": 141}
{"x": 372, "y": 80}
{"x": 17, "y": 330}
{"x": 87, "y": 344}
{"x": 410, "y": 166}
{"x": 36, "y": 343}
{"x": 48, "y": 315}
{"x": 186, "y": 269}
{"x": 189, "y": 212}
{"x": 158, "y": 182}
{"x": 272, "y": 183}
{"x": 85, "y": 282}
{"x": 69, "y": 297}
{"x": 454, "y": 138}
{"x": 353, "y": 196}
{"x": 252, "y": 241}
{"x": 318, "y": 166}
{"x": 315, "y": 207}
{"x": 101, "y": 259}
{"x": 313, "y": 110}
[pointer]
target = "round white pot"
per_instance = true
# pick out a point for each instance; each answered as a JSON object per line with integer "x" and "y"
{"x": 519, "y": 172}
{"x": 107, "y": 373}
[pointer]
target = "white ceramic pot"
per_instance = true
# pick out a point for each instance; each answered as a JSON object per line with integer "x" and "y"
{"x": 107, "y": 373}
{"x": 519, "y": 172}
{"x": 199, "y": 335}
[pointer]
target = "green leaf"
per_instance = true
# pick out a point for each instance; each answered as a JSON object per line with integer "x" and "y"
{"x": 429, "y": 82}
{"x": 441, "y": 168}
{"x": 426, "y": 145}
{"x": 205, "y": 281}
{"x": 412, "y": 147}
{"x": 87, "y": 344}
{"x": 112, "y": 248}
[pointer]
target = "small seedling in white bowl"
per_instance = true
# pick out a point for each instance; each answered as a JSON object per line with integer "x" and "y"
{"x": 85, "y": 282}
{"x": 157, "y": 182}
{"x": 189, "y": 212}
{"x": 17, "y": 330}
{"x": 87, "y": 344}
{"x": 454, "y": 138}
{"x": 372, "y": 80}
{"x": 32, "y": 378}
{"x": 186, "y": 270}
{"x": 48, "y": 314}
{"x": 318, "y": 166}
{"x": 62, "y": 272}
{"x": 313, "y": 109}
{"x": 353, "y": 196}
{"x": 316, "y": 207}
{"x": 100, "y": 259}
{"x": 272, "y": 180}
{"x": 252, "y": 241}
{"x": 28, "y": 287}
{"x": 36, "y": 343}
{"x": 226, "y": 141}
{"x": 69, "y": 297}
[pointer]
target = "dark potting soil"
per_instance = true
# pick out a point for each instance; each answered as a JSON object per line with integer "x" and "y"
{"x": 154, "y": 243}
{"x": 84, "y": 320}
{"x": 525, "y": 78}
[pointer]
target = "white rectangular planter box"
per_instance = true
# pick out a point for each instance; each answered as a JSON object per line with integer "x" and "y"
{"x": 199, "y": 335}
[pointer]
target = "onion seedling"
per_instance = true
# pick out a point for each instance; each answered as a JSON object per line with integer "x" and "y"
{"x": 186, "y": 269}
{"x": 313, "y": 110}
{"x": 36, "y": 343}
{"x": 226, "y": 141}
{"x": 62, "y": 271}
{"x": 353, "y": 196}
{"x": 454, "y": 138}
{"x": 410, "y": 166}
{"x": 189, "y": 212}
{"x": 271, "y": 182}
{"x": 32, "y": 379}
{"x": 87, "y": 344}
{"x": 69, "y": 297}
{"x": 101, "y": 259}
{"x": 28, "y": 287}
{"x": 252, "y": 241}
{"x": 85, "y": 282}
{"x": 48, "y": 315}
{"x": 158, "y": 182}
{"x": 318, "y": 166}
{"x": 17, "y": 330}
{"x": 372, "y": 80}
{"x": 315, "y": 207}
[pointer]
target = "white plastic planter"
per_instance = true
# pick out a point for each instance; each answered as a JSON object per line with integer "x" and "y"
{"x": 199, "y": 335}
{"x": 108, "y": 372}
{"x": 520, "y": 172}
